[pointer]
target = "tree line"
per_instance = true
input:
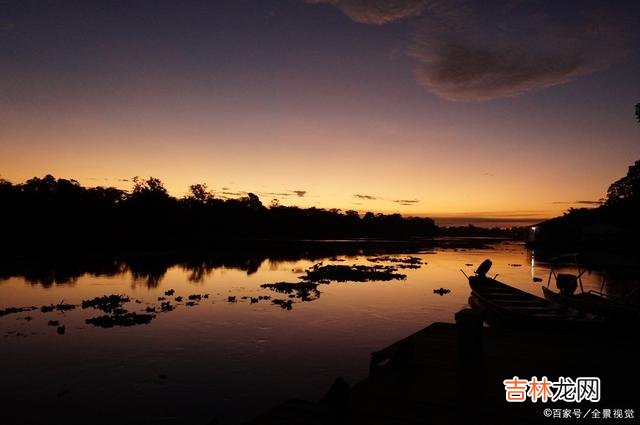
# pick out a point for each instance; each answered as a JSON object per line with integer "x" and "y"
{"x": 60, "y": 212}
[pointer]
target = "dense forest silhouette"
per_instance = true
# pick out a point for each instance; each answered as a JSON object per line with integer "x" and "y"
{"x": 612, "y": 225}
{"x": 50, "y": 214}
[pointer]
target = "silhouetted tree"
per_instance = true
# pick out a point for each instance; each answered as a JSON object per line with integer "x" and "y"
{"x": 199, "y": 193}
{"x": 49, "y": 214}
{"x": 252, "y": 201}
{"x": 627, "y": 188}
{"x": 150, "y": 188}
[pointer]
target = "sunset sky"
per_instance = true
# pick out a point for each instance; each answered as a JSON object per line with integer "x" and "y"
{"x": 515, "y": 109}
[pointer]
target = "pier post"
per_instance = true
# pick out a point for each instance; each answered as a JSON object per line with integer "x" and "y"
{"x": 469, "y": 332}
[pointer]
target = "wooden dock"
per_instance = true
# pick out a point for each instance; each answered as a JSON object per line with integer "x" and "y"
{"x": 443, "y": 374}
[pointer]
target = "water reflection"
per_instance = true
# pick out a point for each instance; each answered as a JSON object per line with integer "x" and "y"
{"x": 223, "y": 348}
{"x": 150, "y": 269}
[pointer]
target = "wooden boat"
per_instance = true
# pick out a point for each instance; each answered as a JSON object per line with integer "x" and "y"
{"x": 506, "y": 305}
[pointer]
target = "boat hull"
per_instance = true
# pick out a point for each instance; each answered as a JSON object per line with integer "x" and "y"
{"x": 507, "y": 306}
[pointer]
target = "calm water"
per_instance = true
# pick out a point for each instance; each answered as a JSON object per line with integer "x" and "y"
{"x": 218, "y": 359}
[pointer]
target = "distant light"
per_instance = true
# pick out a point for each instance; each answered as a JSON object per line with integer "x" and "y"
{"x": 534, "y": 228}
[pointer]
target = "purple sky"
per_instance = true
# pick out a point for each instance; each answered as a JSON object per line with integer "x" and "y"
{"x": 513, "y": 109}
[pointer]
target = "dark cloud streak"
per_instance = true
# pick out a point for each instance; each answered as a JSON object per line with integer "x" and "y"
{"x": 407, "y": 202}
{"x": 376, "y": 12}
{"x": 473, "y": 51}
{"x": 366, "y": 197}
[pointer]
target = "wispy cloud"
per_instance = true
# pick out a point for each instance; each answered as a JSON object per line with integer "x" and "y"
{"x": 376, "y": 12}
{"x": 577, "y": 203}
{"x": 366, "y": 197}
{"x": 281, "y": 194}
{"x": 406, "y": 201}
{"x": 472, "y": 51}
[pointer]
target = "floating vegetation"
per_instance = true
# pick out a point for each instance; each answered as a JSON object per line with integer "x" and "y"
{"x": 106, "y": 303}
{"x": 285, "y": 304}
{"x": 161, "y": 298}
{"x": 515, "y": 265}
{"x": 178, "y": 299}
{"x": 150, "y": 309}
{"x": 307, "y": 288}
{"x": 195, "y": 297}
{"x": 469, "y": 264}
{"x": 170, "y": 292}
{"x": 53, "y": 323}
{"x": 399, "y": 262}
{"x": 405, "y": 261}
{"x": 231, "y": 299}
{"x": 65, "y": 307}
{"x": 441, "y": 291}
{"x": 61, "y": 330}
{"x": 408, "y": 266}
{"x": 306, "y": 291}
{"x": 190, "y": 303}
{"x": 58, "y": 307}
{"x": 166, "y": 306}
{"x": 355, "y": 273}
{"x": 128, "y": 319}
{"x": 12, "y": 310}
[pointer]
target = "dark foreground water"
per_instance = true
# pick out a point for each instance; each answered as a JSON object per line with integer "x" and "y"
{"x": 218, "y": 359}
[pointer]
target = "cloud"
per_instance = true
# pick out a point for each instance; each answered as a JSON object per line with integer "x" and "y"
{"x": 281, "y": 194}
{"x": 406, "y": 201}
{"x": 376, "y": 12}
{"x": 589, "y": 202}
{"x": 578, "y": 202}
{"x": 474, "y": 51}
{"x": 367, "y": 197}
{"x": 462, "y": 56}
{"x": 300, "y": 193}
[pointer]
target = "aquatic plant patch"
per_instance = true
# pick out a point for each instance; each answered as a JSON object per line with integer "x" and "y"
{"x": 306, "y": 291}
{"x": 355, "y": 273}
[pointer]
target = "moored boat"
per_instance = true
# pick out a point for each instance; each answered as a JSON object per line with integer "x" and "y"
{"x": 595, "y": 302}
{"x": 509, "y": 306}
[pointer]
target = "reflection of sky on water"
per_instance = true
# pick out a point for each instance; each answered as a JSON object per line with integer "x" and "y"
{"x": 221, "y": 359}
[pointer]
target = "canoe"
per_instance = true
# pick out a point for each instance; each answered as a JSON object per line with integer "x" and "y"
{"x": 505, "y": 305}
{"x": 589, "y": 302}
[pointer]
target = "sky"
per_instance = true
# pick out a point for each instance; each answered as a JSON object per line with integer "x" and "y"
{"x": 505, "y": 109}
